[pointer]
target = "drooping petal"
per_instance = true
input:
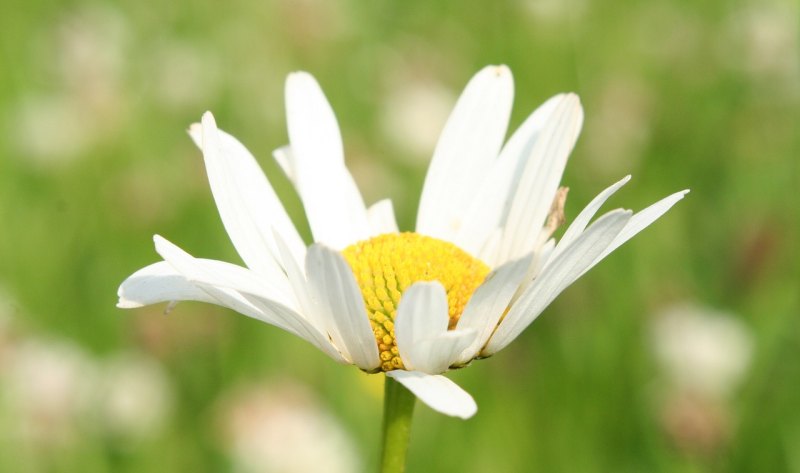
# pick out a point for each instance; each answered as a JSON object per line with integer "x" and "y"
{"x": 334, "y": 207}
{"x": 438, "y": 392}
{"x": 249, "y": 208}
{"x": 239, "y": 289}
{"x": 222, "y": 274}
{"x": 156, "y": 283}
{"x": 219, "y": 279}
{"x": 540, "y": 178}
{"x": 468, "y": 146}
{"x": 488, "y": 304}
{"x": 639, "y": 222}
{"x": 489, "y": 207}
{"x": 558, "y": 273}
{"x": 340, "y": 305}
{"x": 224, "y": 297}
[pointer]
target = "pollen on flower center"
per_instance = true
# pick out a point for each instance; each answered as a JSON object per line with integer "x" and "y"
{"x": 386, "y": 265}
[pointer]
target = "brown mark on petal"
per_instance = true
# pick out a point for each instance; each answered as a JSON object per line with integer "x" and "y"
{"x": 556, "y": 216}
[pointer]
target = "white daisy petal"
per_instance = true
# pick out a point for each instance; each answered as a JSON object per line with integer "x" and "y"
{"x": 421, "y": 332}
{"x": 334, "y": 207}
{"x": 222, "y": 274}
{"x": 488, "y": 304}
{"x": 640, "y": 221}
{"x": 438, "y": 392}
{"x": 446, "y": 349}
{"x": 421, "y": 315}
{"x": 519, "y": 146}
{"x": 540, "y": 259}
{"x": 340, "y": 303}
{"x": 300, "y": 325}
{"x": 247, "y": 204}
{"x": 204, "y": 274}
{"x": 299, "y": 284}
{"x": 156, "y": 283}
{"x": 283, "y": 156}
{"x": 483, "y": 206}
{"x": 302, "y": 291}
{"x": 540, "y": 178}
{"x": 239, "y": 289}
{"x": 557, "y": 274}
{"x": 381, "y": 218}
{"x": 489, "y": 206}
{"x": 465, "y": 152}
{"x": 490, "y": 248}
{"x": 586, "y": 215}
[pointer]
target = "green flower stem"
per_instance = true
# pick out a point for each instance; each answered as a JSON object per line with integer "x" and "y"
{"x": 398, "y": 408}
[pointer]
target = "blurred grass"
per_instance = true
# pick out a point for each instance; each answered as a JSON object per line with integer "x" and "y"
{"x": 695, "y": 101}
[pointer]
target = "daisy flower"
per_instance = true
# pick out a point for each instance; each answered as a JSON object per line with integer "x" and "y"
{"x": 481, "y": 265}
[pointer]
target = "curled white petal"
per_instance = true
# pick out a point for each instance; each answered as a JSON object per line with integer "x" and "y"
{"x": 421, "y": 332}
{"x": 438, "y": 392}
{"x": 158, "y": 282}
{"x": 241, "y": 290}
{"x": 222, "y": 274}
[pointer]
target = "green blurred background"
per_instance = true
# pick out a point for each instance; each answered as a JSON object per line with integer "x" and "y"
{"x": 677, "y": 354}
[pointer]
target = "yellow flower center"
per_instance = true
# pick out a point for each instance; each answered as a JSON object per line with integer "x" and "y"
{"x": 386, "y": 265}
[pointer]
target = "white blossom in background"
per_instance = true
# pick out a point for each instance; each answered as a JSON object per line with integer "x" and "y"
{"x": 52, "y": 392}
{"x": 281, "y": 428}
{"x": 554, "y": 11}
{"x": 133, "y": 398}
{"x": 763, "y": 38}
{"x": 668, "y": 35}
{"x": 621, "y": 118}
{"x": 7, "y": 311}
{"x": 173, "y": 62}
{"x": 91, "y": 44}
{"x": 310, "y": 22}
{"x": 87, "y": 48}
{"x": 46, "y": 384}
{"x": 413, "y": 114}
{"x": 702, "y": 350}
{"x": 52, "y": 116}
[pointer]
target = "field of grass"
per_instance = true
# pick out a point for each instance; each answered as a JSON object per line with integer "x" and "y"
{"x": 679, "y": 353}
